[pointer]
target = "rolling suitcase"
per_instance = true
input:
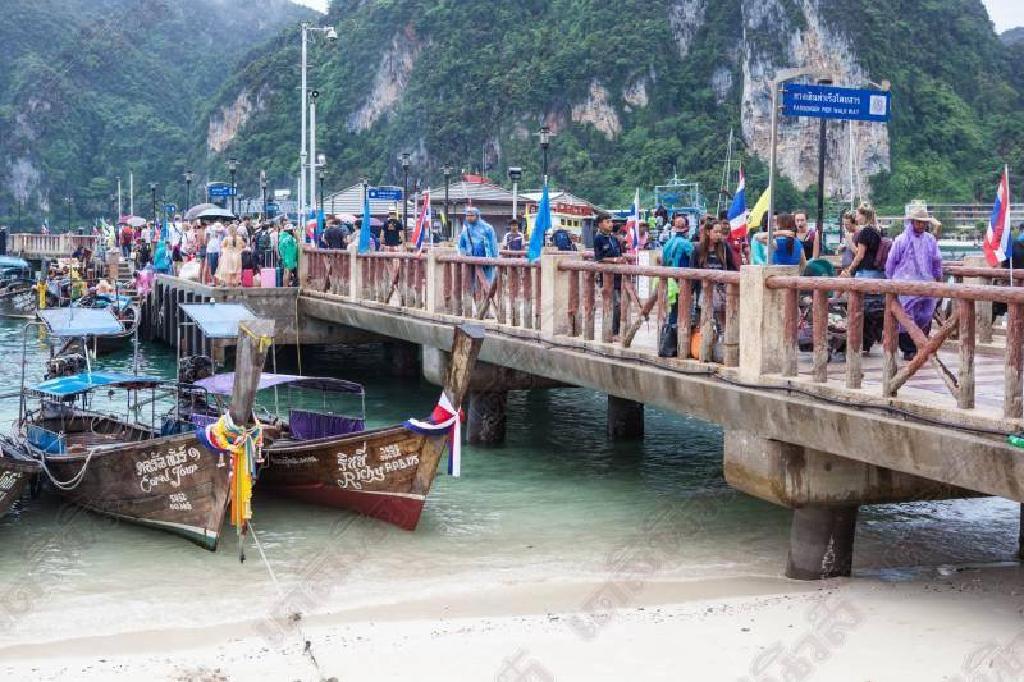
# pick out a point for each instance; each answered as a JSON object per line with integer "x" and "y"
{"x": 268, "y": 278}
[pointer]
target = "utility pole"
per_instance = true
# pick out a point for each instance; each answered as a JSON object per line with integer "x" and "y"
{"x": 406, "y": 159}
{"x": 447, "y": 170}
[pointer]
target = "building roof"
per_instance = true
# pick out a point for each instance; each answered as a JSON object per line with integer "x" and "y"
{"x": 462, "y": 191}
{"x": 350, "y": 200}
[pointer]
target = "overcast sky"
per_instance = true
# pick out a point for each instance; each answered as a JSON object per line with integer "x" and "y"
{"x": 1005, "y": 13}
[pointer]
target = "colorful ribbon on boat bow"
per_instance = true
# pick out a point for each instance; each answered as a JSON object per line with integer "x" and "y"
{"x": 244, "y": 445}
{"x": 444, "y": 418}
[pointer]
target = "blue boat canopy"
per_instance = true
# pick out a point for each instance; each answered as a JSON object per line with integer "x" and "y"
{"x": 81, "y": 322}
{"x": 14, "y": 262}
{"x": 86, "y": 381}
{"x": 218, "y": 320}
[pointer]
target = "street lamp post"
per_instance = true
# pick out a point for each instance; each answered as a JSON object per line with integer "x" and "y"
{"x": 113, "y": 206}
{"x": 321, "y": 174}
{"x": 406, "y": 159}
{"x": 447, "y": 170}
{"x": 152, "y": 192}
{"x": 332, "y": 35}
{"x": 545, "y": 136}
{"x": 117, "y": 216}
{"x": 69, "y": 199}
{"x": 189, "y": 176}
{"x": 233, "y": 168}
{"x": 20, "y": 204}
{"x": 263, "y": 192}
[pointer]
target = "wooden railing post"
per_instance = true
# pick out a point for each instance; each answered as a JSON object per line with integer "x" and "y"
{"x": 684, "y": 318}
{"x": 435, "y": 284}
{"x": 854, "y": 339}
{"x": 731, "y": 333}
{"x": 890, "y": 346}
{"x": 764, "y": 345}
{"x": 819, "y": 331}
{"x": 1013, "y": 401}
{"x": 607, "y": 306}
{"x": 982, "y": 309}
{"x": 965, "y": 379}
{"x": 707, "y": 321}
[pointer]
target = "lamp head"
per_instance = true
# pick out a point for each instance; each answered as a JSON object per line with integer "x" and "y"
{"x": 331, "y": 33}
{"x": 152, "y": 187}
{"x": 232, "y": 164}
{"x": 515, "y": 173}
{"x": 406, "y": 160}
{"x": 545, "y": 136}
{"x": 189, "y": 175}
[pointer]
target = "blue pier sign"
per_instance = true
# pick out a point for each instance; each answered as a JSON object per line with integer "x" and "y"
{"x": 384, "y": 193}
{"x": 220, "y": 190}
{"x": 827, "y": 101}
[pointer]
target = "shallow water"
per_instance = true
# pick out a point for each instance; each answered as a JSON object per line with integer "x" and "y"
{"x": 557, "y": 503}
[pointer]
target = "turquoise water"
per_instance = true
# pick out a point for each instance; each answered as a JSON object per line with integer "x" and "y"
{"x": 555, "y": 503}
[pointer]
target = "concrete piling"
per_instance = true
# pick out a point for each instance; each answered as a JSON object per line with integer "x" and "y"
{"x": 486, "y": 417}
{"x": 625, "y": 418}
{"x": 821, "y": 542}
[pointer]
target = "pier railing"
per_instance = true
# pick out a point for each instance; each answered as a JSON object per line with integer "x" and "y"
{"x": 761, "y": 326}
{"x": 50, "y": 245}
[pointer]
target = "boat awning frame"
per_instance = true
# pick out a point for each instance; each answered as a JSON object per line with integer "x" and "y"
{"x": 218, "y": 320}
{"x": 76, "y": 321}
{"x": 221, "y": 384}
{"x": 84, "y": 382}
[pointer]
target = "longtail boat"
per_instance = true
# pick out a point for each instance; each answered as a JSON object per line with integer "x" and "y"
{"x": 383, "y": 473}
{"x": 17, "y": 469}
{"x": 121, "y": 468}
{"x": 18, "y": 295}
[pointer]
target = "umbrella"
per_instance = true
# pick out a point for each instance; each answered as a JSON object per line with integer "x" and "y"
{"x": 346, "y": 218}
{"x": 215, "y": 213}
{"x": 376, "y": 222}
{"x": 135, "y": 221}
{"x": 194, "y": 212}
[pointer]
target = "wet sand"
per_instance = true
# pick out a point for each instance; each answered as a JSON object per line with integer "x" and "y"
{"x": 927, "y": 627}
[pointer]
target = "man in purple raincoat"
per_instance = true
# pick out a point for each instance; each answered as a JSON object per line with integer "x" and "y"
{"x": 915, "y": 257}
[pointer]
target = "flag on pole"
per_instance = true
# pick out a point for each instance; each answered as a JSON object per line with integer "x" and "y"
{"x": 997, "y": 240}
{"x": 540, "y": 226}
{"x": 633, "y": 225}
{"x": 738, "y": 210}
{"x": 364, "y": 230}
{"x": 760, "y": 208}
{"x": 419, "y": 235}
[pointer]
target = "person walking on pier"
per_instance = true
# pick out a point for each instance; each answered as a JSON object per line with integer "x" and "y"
{"x": 333, "y": 236}
{"x": 229, "y": 270}
{"x": 513, "y": 238}
{"x": 608, "y": 249}
{"x": 214, "y": 238}
{"x": 288, "y": 251}
{"x": 478, "y": 240}
{"x": 392, "y": 233}
{"x": 915, "y": 257}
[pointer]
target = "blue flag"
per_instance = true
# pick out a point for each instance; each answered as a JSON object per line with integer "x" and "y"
{"x": 364, "y": 230}
{"x": 540, "y": 227}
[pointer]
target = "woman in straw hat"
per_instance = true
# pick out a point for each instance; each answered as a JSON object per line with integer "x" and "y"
{"x": 915, "y": 257}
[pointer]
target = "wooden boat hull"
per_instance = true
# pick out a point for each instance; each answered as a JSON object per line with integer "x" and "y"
{"x": 19, "y": 301}
{"x": 173, "y": 484}
{"x": 15, "y": 476}
{"x": 385, "y": 474}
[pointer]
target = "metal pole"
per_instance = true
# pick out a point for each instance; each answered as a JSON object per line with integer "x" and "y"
{"x": 771, "y": 171}
{"x": 515, "y": 200}
{"x": 233, "y": 191}
{"x": 853, "y": 186}
{"x": 822, "y": 141}
{"x": 545, "y": 147}
{"x": 119, "y": 204}
{"x": 302, "y": 142}
{"x": 131, "y": 192}
{"x": 311, "y": 198}
{"x": 405, "y": 198}
{"x": 447, "y": 216}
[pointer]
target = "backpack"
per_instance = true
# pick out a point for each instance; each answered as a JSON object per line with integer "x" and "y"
{"x": 263, "y": 240}
{"x": 882, "y": 255}
{"x": 562, "y": 241}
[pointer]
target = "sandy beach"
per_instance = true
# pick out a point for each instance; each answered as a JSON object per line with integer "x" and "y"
{"x": 928, "y": 627}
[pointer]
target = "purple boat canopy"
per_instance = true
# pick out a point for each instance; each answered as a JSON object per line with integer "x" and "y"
{"x": 221, "y": 384}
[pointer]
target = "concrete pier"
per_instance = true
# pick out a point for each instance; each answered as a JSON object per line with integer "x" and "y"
{"x": 625, "y": 418}
{"x": 486, "y": 417}
{"x": 821, "y": 542}
{"x": 404, "y": 358}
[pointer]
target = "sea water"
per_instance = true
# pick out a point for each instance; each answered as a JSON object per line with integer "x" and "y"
{"x": 557, "y": 503}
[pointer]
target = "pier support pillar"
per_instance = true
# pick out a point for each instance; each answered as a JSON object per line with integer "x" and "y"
{"x": 625, "y": 418}
{"x": 821, "y": 542}
{"x": 1020, "y": 534}
{"x": 485, "y": 418}
{"x": 405, "y": 358}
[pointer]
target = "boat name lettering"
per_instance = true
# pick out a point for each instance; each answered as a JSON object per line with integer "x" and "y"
{"x": 293, "y": 461}
{"x": 169, "y": 468}
{"x": 8, "y": 479}
{"x": 354, "y": 476}
{"x": 390, "y": 451}
{"x": 179, "y": 502}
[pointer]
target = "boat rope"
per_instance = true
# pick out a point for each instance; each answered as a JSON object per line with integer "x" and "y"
{"x": 296, "y": 618}
{"x": 72, "y": 482}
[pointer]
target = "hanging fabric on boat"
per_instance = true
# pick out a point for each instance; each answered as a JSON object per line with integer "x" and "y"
{"x": 245, "y": 447}
{"x": 444, "y": 418}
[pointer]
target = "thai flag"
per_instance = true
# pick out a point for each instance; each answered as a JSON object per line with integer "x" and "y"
{"x": 997, "y": 239}
{"x": 738, "y": 210}
{"x": 444, "y": 419}
{"x": 419, "y": 235}
{"x": 633, "y": 225}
